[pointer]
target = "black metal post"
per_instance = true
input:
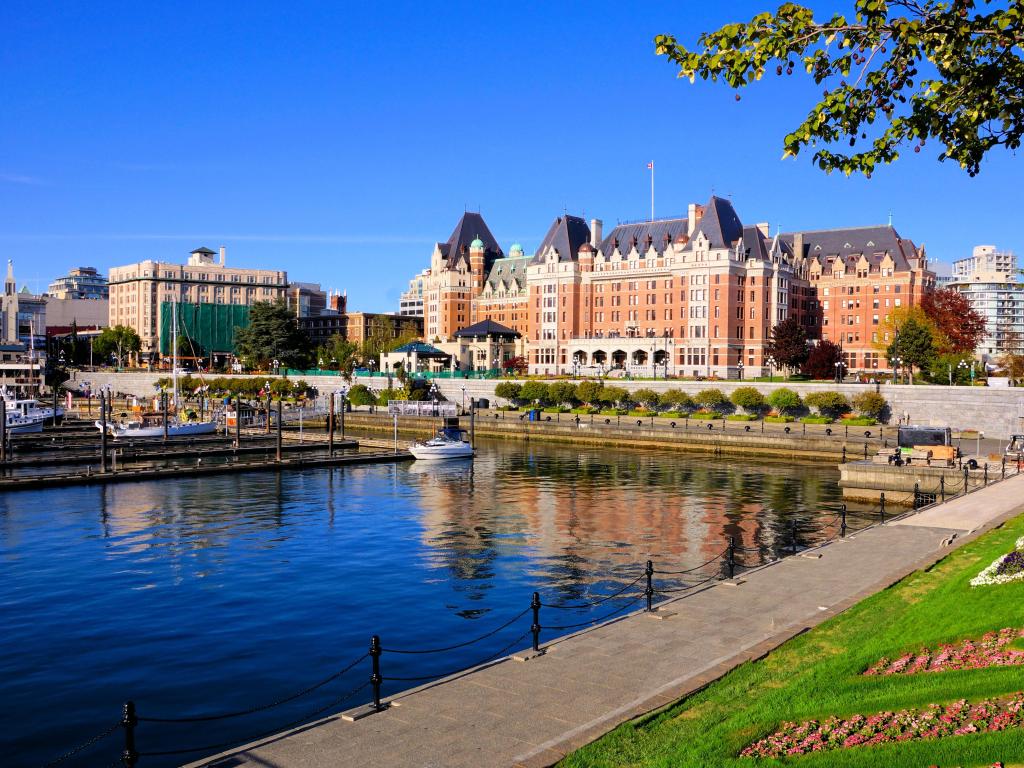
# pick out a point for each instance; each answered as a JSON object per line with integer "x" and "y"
{"x": 844, "y": 454}
{"x": 917, "y": 494}
{"x": 330, "y": 427}
{"x": 129, "y": 757}
{"x": 163, "y": 406}
{"x": 268, "y": 410}
{"x": 966, "y": 478}
{"x": 842, "y": 524}
{"x": 375, "y": 678}
{"x": 730, "y": 557}
{"x": 942, "y": 488}
{"x": 986, "y": 473}
{"x": 103, "y": 432}
{"x": 649, "y": 591}
{"x": 280, "y": 423}
{"x": 881, "y": 508}
{"x": 535, "y": 627}
{"x": 865, "y": 450}
{"x": 472, "y": 422}
{"x": 1003, "y": 475}
{"x": 793, "y": 533}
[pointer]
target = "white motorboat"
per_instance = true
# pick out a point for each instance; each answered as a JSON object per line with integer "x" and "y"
{"x": 449, "y": 443}
{"x": 17, "y": 424}
{"x": 29, "y": 409}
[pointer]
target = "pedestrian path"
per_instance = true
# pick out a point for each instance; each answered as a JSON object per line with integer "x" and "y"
{"x": 523, "y": 714}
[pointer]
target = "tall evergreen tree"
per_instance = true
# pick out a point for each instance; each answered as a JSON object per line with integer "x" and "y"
{"x": 788, "y": 343}
{"x": 273, "y": 333}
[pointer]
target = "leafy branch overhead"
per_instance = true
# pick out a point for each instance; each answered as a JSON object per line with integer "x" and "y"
{"x": 899, "y": 73}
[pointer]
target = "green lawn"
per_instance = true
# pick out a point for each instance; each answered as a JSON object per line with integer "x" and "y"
{"x": 818, "y": 674}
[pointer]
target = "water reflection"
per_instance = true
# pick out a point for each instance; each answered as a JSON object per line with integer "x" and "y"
{"x": 213, "y": 592}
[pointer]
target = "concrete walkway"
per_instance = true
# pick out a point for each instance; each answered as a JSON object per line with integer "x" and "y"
{"x": 528, "y": 714}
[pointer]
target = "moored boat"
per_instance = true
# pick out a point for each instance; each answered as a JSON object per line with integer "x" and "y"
{"x": 449, "y": 443}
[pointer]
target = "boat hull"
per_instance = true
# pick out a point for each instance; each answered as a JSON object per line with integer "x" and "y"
{"x": 425, "y": 452}
{"x": 174, "y": 430}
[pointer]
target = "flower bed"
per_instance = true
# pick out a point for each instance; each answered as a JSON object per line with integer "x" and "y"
{"x": 990, "y": 651}
{"x": 1008, "y": 567}
{"x": 936, "y": 721}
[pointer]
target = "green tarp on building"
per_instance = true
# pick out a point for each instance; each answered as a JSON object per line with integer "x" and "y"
{"x": 212, "y": 326}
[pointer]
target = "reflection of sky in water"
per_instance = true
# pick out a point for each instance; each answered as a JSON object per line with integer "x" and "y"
{"x": 216, "y": 593}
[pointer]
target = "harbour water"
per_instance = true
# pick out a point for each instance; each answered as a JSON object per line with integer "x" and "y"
{"x": 216, "y": 594}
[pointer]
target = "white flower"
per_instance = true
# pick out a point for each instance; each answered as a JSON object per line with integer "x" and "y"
{"x": 988, "y": 577}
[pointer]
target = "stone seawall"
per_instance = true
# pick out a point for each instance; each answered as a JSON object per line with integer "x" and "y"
{"x": 996, "y": 412}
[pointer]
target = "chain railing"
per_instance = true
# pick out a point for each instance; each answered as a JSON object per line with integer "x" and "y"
{"x": 676, "y": 583}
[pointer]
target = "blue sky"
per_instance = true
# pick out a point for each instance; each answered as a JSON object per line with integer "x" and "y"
{"x": 340, "y": 140}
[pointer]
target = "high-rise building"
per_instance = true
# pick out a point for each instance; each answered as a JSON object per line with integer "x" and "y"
{"x": 989, "y": 280}
{"x": 141, "y": 293}
{"x": 80, "y": 283}
{"x": 410, "y": 304}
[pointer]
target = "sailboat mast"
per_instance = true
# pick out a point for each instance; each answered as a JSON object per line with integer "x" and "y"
{"x": 174, "y": 351}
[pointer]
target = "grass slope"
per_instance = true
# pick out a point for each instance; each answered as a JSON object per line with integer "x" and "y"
{"x": 818, "y": 674}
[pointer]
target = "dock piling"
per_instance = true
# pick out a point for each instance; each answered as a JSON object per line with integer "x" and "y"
{"x": 130, "y": 756}
{"x": 280, "y": 422}
{"x": 3, "y": 432}
{"x": 103, "y": 432}
{"x": 330, "y": 427}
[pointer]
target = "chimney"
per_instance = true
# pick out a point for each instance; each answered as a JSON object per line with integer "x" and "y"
{"x": 595, "y": 232}
{"x": 223, "y": 253}
{"x": 798, "y": 244}
{"x": 691, "y": 218}
{"x": 765, "y": 228}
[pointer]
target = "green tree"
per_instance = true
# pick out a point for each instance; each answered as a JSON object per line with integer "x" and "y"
{"x": 711, "y": 399}
{"x": 676, "y": 400}
{"x": 830, "y": 404}
{"x": 897, "y": 74}
{"x": 788, "y": 344}
{"x": 509, "y": 390}
{"x": 563, "y": 393}
{"x": 535, "y": 391}
{"x": 615, "y": 397}
{"x": 914, "y": 345}
{"x": 870, "y": 404}
{"x": 589, "y": 392}
{"x": 273, "y": 333}
{"x": 117, "y": 341}
{"x": 338, "y": 354}
{"x": 785, "y": 401}
{"x": 648, "y": 398}
{"x": 360, "y": 394}
{"x": 188, "y": 347}
{"x": 821, "y": 362}
{"x": 749, "y": 399}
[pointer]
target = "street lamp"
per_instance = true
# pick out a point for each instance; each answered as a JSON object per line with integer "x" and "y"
{"x": 839, "y": 370}
{"x": 463, "y": 398}
{"x": 896, "y": 363}
{"x": 277, "y": 366}
{"x": 739, "y": 365}
{"x": 771, "y": 367}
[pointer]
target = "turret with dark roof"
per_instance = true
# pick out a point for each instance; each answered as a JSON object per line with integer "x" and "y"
{"x": 566, "y": 235}
{"x": 471, "y": 227}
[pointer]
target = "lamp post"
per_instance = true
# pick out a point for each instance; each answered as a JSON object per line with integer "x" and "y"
{"x": 739, "y": 366}
{"x": 896, "y": 363}
{"x": 839, "y": 370}
{"x": 277, "y": 367}
{"x": 463, "y": 398}
{"x": 771, "y": 368}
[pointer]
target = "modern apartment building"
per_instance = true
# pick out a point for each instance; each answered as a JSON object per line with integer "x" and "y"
{"x": 696, "y": 294}
{"x": 140, "y": 291}
{"x": 990, "y": 281}
{"x": 410, "y": 303}
{"x": 80, "y": 283}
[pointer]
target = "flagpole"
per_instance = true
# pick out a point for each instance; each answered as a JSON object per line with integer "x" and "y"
{"x": 652, "y": 190}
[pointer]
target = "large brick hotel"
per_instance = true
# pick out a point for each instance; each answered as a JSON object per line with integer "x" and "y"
{"x": 694, "y": 295}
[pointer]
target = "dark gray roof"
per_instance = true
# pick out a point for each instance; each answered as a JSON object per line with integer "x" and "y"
{"x": 852, "y": 242}
{"x": 720, "y": 224}
{"x": 207, "y": 251}
{"x": 422, "y": 349}
{"x": 754, "y": 244}
{"x": 508, "y": 268}
{"x": 487, "y": 328}
{"x": 470, "y": 227}
{"x": 566, "y": 235}
{"x": 658, "y": 233}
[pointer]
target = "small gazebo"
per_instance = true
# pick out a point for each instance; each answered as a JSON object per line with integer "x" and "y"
{"x": 414, "y": 357}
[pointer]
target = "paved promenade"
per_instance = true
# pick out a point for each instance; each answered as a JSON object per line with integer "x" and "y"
{"x": 523, "y": 714}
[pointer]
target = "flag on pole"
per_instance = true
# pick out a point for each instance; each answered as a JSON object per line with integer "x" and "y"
{"x": 651, "y": 165}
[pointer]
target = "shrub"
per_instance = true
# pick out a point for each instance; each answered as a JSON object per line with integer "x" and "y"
{"x": 535, "y": 391}
{"x": 589, "y": 392}
{"x": 830, "y": 404}
{"x": 749, "y": 399}
{"x": 779, "y": 419}
{"x": 584, "y": 410}
{"x": 648, "y": 398}
{"x": 612, "y": 412}
{"x": 785, "y": 401}
{"x": 676, "y": 400}
{"x": 615, "y": 396}
{"x": 870, "y": 405}
{"x": 706, "y": 415}
{"x": 712, "y": 399}
{"x": 360, "y": 394}
{"x": 563, "y": 393}
{"x": 509, "y": 390}
{"x": 390, "y": 394}
{"x": 555, "y": 409}
{"x": 671, "y": 414}
{"x": 859, "y": 421}
{"x": 816, "y": 420}
{"x": 741, "y": 417}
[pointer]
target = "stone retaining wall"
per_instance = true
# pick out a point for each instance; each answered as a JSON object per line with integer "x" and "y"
{"x": 996, "y": 412}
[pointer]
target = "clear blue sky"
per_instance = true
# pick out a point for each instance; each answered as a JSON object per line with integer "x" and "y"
{"x": 340, "y": 140}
